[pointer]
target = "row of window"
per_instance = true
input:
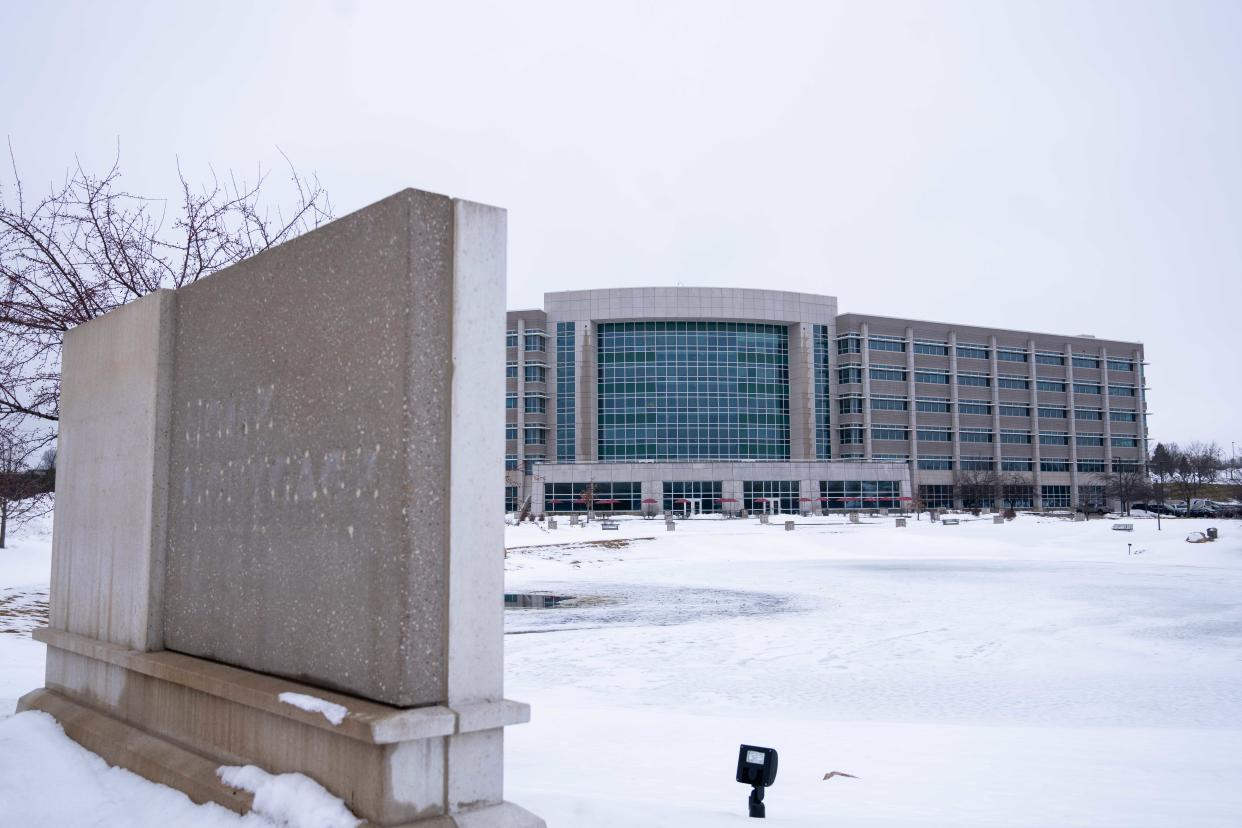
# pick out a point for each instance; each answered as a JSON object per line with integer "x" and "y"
{"x": 945, "y": 463}
{"x": 1013, "y": 497}
{"x": 852, "y": 374}
{"x": 533, "y": 341}
{"x": 852, "y": 344}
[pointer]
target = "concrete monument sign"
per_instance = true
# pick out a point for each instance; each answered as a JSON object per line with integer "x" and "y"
{"x": 270, "y": 488}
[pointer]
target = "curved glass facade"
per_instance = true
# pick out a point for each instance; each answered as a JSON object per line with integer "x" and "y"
{"x": 693, "y": 391}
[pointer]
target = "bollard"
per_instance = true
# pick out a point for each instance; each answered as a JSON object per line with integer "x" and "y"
{"x": 573, "y": 520}
{"x": 901, "y": 523}
{"x": 1212, "y": 534}
{"x": 670, "y": 526}
{"x": 789, "y": 525}
{"x": 853, "y": 517}
{"x": 551, "y": 523}
{"x": 997, "y": 519}
{"x": 933, "y": 515}
{"x": 763, "y": 517}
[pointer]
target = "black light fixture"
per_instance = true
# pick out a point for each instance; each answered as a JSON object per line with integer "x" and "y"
{"x": 756, "y": 766}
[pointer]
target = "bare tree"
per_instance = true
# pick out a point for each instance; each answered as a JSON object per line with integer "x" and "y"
{"x": 587, "y": 496}
{"x": 88, "y": 246}
{"x": 1163, "y": 465}
{"x": 978, "y": 488}
{"x": 1199, "y": 464}
{"x": 1126, "y": 484}
{"x": 25, "y": 486}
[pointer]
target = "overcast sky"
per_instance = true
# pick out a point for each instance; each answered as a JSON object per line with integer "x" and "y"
{"x": 1070, "y": 168}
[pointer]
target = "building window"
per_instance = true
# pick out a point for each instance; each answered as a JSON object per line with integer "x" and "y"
{"x": 975, "y": 435}
{"x": 1120, "y": 365}
{"x": 1055, "y": 497}
{"x": 1123, "y": 416}
{"x": 1009, "y": 381}
{"x": 1010, "y": 356}
{"x": 1090, "y": 439}
{"x": 1054, "y": 438}
{"x": 536, "y": 373}
{"x": 534, "y": 435}
{"x": 885, "y": 343}
{"x": 1050, "y": 385}
{"x": 932, "y": 377}
{"x": 935, "y": 435}
{"x": 566, "y": 393}
{"x": 974, "y": 407}
{"x": 510, "y": 431}
{"x": 536, "y": 404}
{"x": 980, "y": 380}
{"x": 511, "y": 496}
{"x": 1121, "y": 390}
{"x": 890, "y": 373}
{"x": 931, "y": 348}
{"x": 1018, "y": 497}
{"x": 510, "y": 339}
{"x": 511, "y": 370}
{"x": 850, "y": 405}
{"x": 849, "y": 374}
{"x": 599, "y": 497}
{"x": 1086, "y": 388}
{"x": 851, "y": 435}
{"x": 860, "y": 494}
{"x": 936, "y": 496}
{"x": 531, "y": 460}
{"x": 679, "y": 493}
{"x": 1121, "y": 465}
{"x": 1088, "y": 414}
{"x": 535, "y": 341}
{"x": 1091, "y": 466}
{"x": 1125, "y": 442}
{"x": 771, "y": 495}
{"x": 849, "y": 344}
{"x": 511, "y": 463}
{"x": 936, "y": 463}
{"x": 1081, "y": 361}
{"x": 1054, "y": 464}
{"x": 1015, "y": 410}
{"x": 889, "y": 433}
{"x": 935, "y": 405}
{"x": 880, "y": 402}
{"x": 510, "y": 401}
{"x": 977, "y": 463}
{"x": 1048, "y": 358}
{"x": 972, "y": 351}
{"x": 692, "y": 390}
{"x": 1015, "y": 437}
{"x": 1016, "y": 464}
{"x": 891, "y": 458}
{"x": 1049, "y": 413}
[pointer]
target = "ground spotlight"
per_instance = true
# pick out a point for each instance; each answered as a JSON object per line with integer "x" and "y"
{"x": 756, "y": 766}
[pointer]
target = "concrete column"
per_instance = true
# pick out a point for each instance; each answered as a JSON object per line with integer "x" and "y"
{"x": 957, "y": 417}
{"x": 521, "y": 396}
{"x": 1073, "y": 423}
{"x": 1140, "y": 403}
{"x": 1108, "y": 408}
{"x": 586, "y": 382}
{"x": 866, "y": 386}
{"x": 1032, "y": 372}
{"x": 801, "y": 391}
{"x": 911, "y": 394}
{"x": 834, "y": 395}
{"x": 654, "y": 489}
{"x": 994, "y": 370}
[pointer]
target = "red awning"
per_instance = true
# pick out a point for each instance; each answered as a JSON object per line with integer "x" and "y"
{"x": 608, "y": 502}
{"x": 650, "y": 500}
{"x": 805, "y": 499}
{"x": 760, "y": 499}
{"x": 728, "y": 500}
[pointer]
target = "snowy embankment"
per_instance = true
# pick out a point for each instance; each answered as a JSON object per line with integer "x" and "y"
{"x": 1030, "y": 674}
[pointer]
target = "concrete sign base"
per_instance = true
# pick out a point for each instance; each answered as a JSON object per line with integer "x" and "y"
{"x": 269, "y": 483}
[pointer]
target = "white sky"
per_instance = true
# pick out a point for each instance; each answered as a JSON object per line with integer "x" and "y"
{"x": 1063, "y": 167}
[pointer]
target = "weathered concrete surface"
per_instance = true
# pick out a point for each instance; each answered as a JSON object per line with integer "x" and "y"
{"x": 309, "y": 523}
{"x": 112, "y": 454}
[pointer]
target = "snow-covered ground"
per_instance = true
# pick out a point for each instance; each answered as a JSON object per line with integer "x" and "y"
{"x": 1029, "y": 674}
